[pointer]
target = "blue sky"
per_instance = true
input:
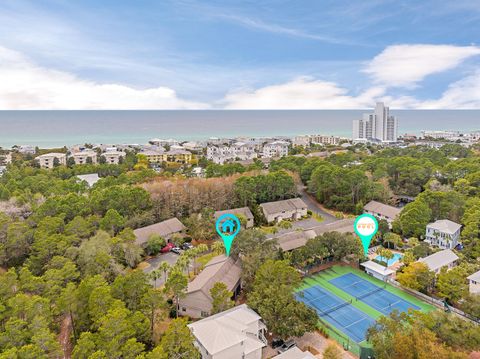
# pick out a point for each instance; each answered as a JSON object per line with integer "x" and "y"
{"x": 239, "y": 54}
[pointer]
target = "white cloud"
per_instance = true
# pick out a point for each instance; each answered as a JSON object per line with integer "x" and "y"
{"x": 463, "y": 94}
{"x": 301, "y": 93}
{"x": 25, "y": 85}
{"x": 406, "y": 65}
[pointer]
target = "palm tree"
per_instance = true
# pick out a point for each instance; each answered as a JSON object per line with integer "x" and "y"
{"x": 218, "y": 247}
{"x": 165, "y": 268}
{"x": 155, "y": 275}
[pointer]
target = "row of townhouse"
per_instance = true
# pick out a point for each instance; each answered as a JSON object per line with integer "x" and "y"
{"x": 52, "y": 159}
{"x": 176, "y": 154}
{"x": 307, "y": 140}
{"x": 245, "y": 151}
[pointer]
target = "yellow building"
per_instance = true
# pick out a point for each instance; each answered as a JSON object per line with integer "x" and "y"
{"x": 154, "y": 156}
{"x": 178, "y": 156}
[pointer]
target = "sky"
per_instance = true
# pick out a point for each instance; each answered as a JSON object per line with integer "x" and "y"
{"x": 228, "y": 54}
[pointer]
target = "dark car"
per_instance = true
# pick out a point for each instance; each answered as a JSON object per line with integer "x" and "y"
{"x": 277, "y": 343}
{"x": 167, "y": 248}
{"x": 289, "y": 344}
{"x": 176, "y": 250}
{"x": 186, "y": 245}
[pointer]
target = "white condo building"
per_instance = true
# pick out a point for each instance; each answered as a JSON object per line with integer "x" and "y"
{"x": 378, "y": 126}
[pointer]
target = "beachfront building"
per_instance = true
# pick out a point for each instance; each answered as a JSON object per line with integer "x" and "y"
{"x": 303, "y": 140}
{"x": 325, "y": 140}
{"x": 165, "y": 229}
{"x": 438, "y": 135}
{"x": 275, "y": 149}
{"x": 238, "y": 332}
{"x": 153, "y": 156}
{"x": 193, "y": 146}
{"x": 376, "y": 126}
{"x": 243, "y": 211}
{"x": 84, "y": 157}
{"x": 162, "y": 143}
{"x": 53, "y": 159}
{"x": 443, "y": 233}
{"x": 378, "y": 271}
{"x": 293, "y": 209}
{"x": 474, "y": 283}
{"x": 437, "y": 261}
{"x": 113, "y": 156}
{"x": 241, "y": 151}
{"x": 26, "y": 150}
{"x": 382, "y": 211}
{"x": 178, "y": 156}
{"x": 197, "y": 302}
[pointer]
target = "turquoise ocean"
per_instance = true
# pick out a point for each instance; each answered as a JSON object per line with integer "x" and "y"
{"x": 57, "y": 128}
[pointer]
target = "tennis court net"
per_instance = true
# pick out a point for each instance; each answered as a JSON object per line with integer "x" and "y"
{"x": 337, "y": 307}
{"x": 370, "y": 293}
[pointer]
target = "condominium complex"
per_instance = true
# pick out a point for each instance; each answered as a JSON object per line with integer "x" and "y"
{"x": 376, "y": 126}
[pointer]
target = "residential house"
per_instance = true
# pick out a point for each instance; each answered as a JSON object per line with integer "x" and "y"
{"x": 238, "y": 332}
{"x": 197, "y": 302}
{"x": 437, "y": 261}
{"x": 382, "y": 211}
{"x": 90, "y": 178}
{"x": 49, "y": 160}
{"x": 243, "y": 211}
{"x": 165, "y": 229}
{"x": 275, "y": 149}
{"x": 85, "y": 156}
{"x": 293, "y": 208}
{"x": 113, "y": 156}
{"x": 198, "y": 172}
{"x": 474, "y": 283}
{"x": 378, "y": 271}
{"x": 295, "y": 353}
{"x": 295, "y": 239}
{"x": 220, "y": 154}
{"x": 443, "y": 233}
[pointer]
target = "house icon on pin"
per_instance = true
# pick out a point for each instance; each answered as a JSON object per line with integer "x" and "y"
{"x": 228, "y": 226}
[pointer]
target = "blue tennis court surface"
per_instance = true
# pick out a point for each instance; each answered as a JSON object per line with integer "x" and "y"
{"x": 371, "y": 294}
{"x": 340, "y": 314}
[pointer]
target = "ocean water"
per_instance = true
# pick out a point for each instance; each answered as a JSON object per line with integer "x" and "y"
{"x": 57, "y": 128}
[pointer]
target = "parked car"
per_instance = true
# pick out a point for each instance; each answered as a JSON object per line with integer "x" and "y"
{"x": 167, "y": 248}
{"x": 289, "y": 344}
{"x": 277, "y": 343}
{"x": 186, "y": 245}
{"x": 176, "y": 250}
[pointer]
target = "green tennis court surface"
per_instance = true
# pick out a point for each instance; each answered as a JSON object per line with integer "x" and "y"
{"x": 348, "y": 301}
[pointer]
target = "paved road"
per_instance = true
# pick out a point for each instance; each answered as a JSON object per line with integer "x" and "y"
{"x": 313, "y": 206}
{"x": 170, "y": 257}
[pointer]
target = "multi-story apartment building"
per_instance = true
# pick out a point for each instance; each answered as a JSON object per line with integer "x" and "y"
{"x": 50, "y": 160}
{"x": 153, "y": 156}
{"x": 85, "y": 156}
{"x": 178, "y": 156}
{"x": 275, "y": 149}
{"x": 325, "y": 140}
{"x": 377, "y": 126}
{"x": 113, "y": 156}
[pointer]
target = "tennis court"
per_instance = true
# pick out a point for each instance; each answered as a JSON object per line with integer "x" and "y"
{"x": 339, "y": 313}
{"x": 371, "y": 294}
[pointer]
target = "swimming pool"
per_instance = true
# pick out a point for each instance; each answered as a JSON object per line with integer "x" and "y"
{"x": 392, "y": 261}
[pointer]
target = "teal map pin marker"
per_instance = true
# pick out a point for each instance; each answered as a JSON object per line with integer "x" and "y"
{"x": 365, "y": 227}
{"x": 227, "y": 226}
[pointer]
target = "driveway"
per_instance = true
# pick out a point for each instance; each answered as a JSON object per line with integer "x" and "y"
{"x": 313, "y": 206}
{"x": 170, "y": 257}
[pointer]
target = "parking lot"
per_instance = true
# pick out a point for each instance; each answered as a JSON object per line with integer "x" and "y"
{"x": 154, "y": 262}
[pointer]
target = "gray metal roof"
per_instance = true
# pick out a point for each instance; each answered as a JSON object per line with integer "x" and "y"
{"x": 382, "y": 209}
{"x": 445, "y": 226}
{"x": 163, "y": 229}
{"x": 245, "y": 211}
{"x": 439, "y": 259}
{"x": 475, "y": 276}
{"x": 283, "y": 206}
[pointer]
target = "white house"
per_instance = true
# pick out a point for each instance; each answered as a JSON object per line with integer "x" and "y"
{"x": 474, "y": 283}
{"x": 235, "y": 333}
{"x": 382, "y": 211}
{"x": 275, "y": 149}
{"x": 48, "y": 160}
{"x": 378, "y": 271}
{"x": 293, "y": 208}
{"x": 437, "y": 261}
{"x": 443, "y": 233}
{"x": 295, "y": 353}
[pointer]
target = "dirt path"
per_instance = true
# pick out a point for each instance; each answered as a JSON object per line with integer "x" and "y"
{"x": 64, "y": 337}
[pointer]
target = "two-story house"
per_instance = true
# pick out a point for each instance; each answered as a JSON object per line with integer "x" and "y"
{"x": 443, "y": 233}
